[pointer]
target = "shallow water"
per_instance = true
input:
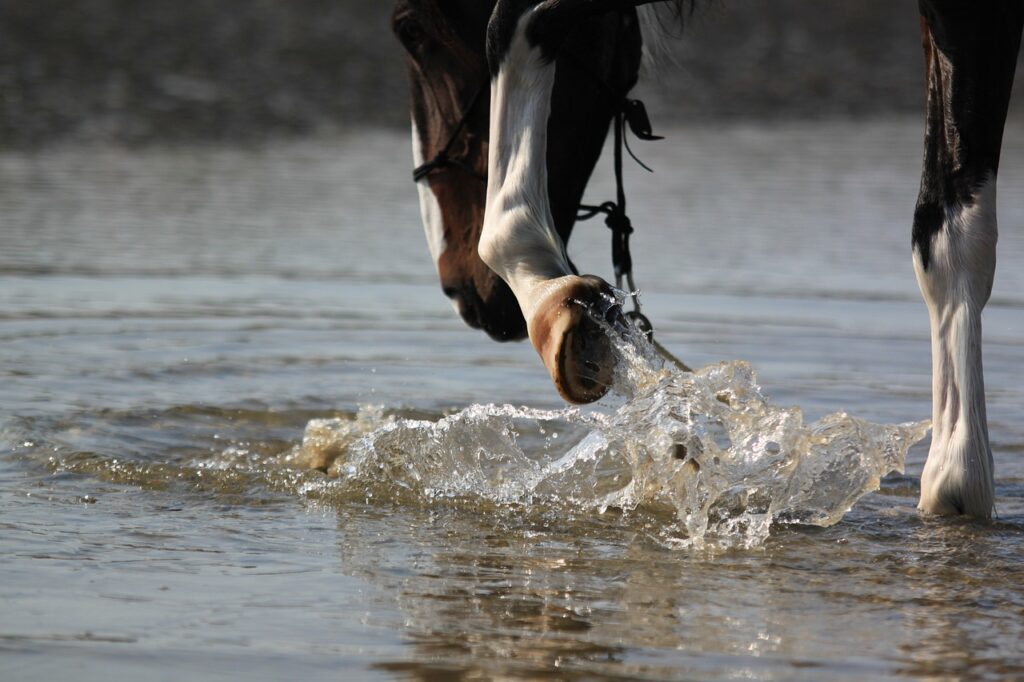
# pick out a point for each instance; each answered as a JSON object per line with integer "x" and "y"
{"x": 172, "y": 319}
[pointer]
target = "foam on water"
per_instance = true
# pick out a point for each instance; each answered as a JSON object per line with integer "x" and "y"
{"x": 706, "y": 451}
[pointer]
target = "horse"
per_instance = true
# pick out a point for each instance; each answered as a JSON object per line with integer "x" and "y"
{"x": 499, "y": 244}
{"x": 452, "y": 113}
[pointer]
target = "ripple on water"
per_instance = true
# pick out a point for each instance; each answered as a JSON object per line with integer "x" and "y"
{"x": 692, "y": 459}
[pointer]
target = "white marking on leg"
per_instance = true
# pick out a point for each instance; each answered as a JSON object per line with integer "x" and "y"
{"x": 430, "y": 209}
{"x": 956, "y": 286}
{"x": 519, "y": 241}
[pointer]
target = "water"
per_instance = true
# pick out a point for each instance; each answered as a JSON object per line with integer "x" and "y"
{"x": 174, "y": 321}
{"x": 707, "y": 449}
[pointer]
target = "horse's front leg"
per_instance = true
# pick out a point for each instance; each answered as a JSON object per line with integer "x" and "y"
{"x": 970, "y": 54}
{"x": 519, "y": 241}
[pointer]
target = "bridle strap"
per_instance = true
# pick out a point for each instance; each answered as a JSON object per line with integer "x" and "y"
{"x": 443, "y": 158}
{"x": 632, "y": 113}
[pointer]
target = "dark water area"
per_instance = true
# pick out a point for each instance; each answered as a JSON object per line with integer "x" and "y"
{"x": 178, "y": 70}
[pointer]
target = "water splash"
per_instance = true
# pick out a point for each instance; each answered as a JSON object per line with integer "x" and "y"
{"x": 706, "y": 451}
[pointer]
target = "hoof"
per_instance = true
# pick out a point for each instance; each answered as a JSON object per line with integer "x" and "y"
{"x": 573, "y": 344}
{"x": 951, "y": 492}
{"x": 957, "y": 477}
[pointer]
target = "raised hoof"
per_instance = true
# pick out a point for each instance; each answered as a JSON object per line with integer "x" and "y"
{"x": 573, "y": 344}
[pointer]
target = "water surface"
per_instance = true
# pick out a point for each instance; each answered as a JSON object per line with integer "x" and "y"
{"x": 171, "y": 319}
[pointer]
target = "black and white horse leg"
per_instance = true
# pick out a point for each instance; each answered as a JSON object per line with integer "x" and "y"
{"x": 970, "y": 54}
{"x": 519, "y": 241}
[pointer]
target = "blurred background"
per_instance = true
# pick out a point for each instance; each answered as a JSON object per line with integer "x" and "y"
{"x": 178, "y": 70}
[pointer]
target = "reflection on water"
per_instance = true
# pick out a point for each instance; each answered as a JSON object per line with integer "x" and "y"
{"x": 172, "y": 320}
{"x": 524, "y": 603}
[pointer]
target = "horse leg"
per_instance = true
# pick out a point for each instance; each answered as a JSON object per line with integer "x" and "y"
{"x": 970, "y": 56}
{"x": 519, "y": 241}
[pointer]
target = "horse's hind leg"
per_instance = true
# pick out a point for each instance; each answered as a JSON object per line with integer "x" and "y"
{"x": 970, "y": 56}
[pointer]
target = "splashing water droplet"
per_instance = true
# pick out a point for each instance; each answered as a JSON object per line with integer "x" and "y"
{"x": 707, "y": 450}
